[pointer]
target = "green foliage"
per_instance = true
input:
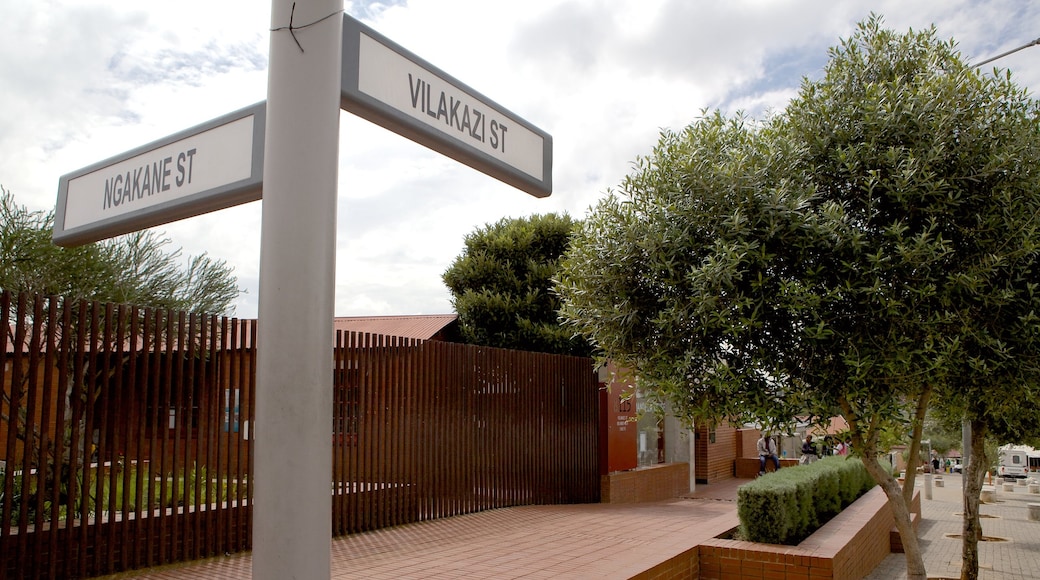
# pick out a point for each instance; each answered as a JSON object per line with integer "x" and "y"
{"x": 134, "y": 269}
{"x": 876, "y": 240}
{"x": 787, "y": 506}
{"x": 502, "y": 286}
{"x": 117, "y": 491}
{"x": 676, "y": 275}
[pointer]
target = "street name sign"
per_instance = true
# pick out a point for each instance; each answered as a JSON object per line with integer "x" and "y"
{"x": 211, "y": 166}
{"x": 393, "y": 88}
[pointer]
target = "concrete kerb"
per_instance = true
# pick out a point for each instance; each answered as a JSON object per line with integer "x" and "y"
{"x": 1012, "y": 539}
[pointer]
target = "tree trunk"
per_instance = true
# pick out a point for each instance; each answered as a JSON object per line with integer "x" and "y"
{"x": 974, "y": 473}
{"x": 917, "y": 427}
{"x": 900, "y": 512}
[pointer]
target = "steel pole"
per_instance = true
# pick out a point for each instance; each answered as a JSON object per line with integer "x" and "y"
{"x": 292, "y": 505}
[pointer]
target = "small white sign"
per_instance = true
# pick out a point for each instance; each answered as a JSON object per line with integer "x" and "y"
{"x": 392, "y": 87}
{"x": 212, "y": 166}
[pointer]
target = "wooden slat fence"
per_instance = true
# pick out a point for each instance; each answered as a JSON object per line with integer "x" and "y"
{"x": 125, "y": 434}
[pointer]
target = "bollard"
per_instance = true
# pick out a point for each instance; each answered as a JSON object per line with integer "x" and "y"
{"x": 1034, "y": 488}
{"x": 1034, "y": 512}
{"x": 988, "y": 494}
{"x": 928, "y": 486}
{"x": 1009, "y": 487}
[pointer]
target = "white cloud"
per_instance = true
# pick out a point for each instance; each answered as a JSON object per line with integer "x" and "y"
{"x": 85, "y": 80}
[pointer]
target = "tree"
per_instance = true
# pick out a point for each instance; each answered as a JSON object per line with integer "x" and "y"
{"x": 947, "y": 158}
{"x": 826, "y": 259}
{"x": 501, "y": 286}
{"x": 136, "y": 268}
{"x": 133, "y": 269}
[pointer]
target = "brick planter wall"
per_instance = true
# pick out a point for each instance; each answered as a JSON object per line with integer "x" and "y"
{"x": 653, "y": 483}
{"x": 849, "y": 546}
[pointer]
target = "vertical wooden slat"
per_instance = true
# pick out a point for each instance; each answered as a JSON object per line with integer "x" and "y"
{"x": 396, "y": 427}
{"x": 235, "y": 379}
{"x": 63, "y": 345}
{"x": 17, "y": 461}
{"x": 379, "y": 442}
{"x": 138, "y": 405}
{"x": 79, "y": 455}
{"x": 366, "y": 469}
{"x": 426, "y": 432}
{"x": 196, "y": 398}
{"x": 349, "y": 477}
{"x": 244, "y": 463}
{"x": 385, "y": 386}
{"x": 339, "y": 442}
{"x": 198, "y": 474}
{"x": 453, "y": 450}
{"x": 163, "y": 428}
{"x": 101, "y": 400}
{"x": 33, "y": 470}
{"x": 50, "y": 461}
{"x": 154, "y": 361}
{"x": 234, "y": 399}
{"x": 375, "y": 442}
{"x": 30, "y": 456}
{"x": 7, "y": 505}
{"x": 442, "y": 429}
{"x": 208, "y": 435}
{"x": 414, "y": 428}
{"x": 113, "y": 402}
{"x": 91, "y": 452}
{"x": 177, "y": 474}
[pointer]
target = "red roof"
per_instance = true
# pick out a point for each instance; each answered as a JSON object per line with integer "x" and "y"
{"x": 420, "y": 326}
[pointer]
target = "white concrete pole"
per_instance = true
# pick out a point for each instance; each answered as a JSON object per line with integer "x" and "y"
{"x": 292, "y": 506}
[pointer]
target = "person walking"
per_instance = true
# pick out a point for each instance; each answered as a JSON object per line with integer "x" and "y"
{"x": 809, "y": 454}
{"x": 767, "y": 450}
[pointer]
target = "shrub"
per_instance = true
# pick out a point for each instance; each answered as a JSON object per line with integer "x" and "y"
{"x": 787, "y": 506}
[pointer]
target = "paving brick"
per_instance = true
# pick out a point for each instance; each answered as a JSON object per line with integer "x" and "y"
{"x": 1017, "y": 559}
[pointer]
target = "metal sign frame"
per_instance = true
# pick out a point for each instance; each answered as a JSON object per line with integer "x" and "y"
{"x": 394, "y": 88}
{"x": 144, "y": 211}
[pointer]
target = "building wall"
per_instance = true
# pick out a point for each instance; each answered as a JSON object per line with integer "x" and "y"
{"x": 715, "y": 450}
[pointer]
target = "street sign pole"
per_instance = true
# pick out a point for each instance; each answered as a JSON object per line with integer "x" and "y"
{"x": 292, "y": 525}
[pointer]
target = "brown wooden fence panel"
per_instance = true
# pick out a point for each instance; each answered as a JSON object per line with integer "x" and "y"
{"x": 126, "y": 441}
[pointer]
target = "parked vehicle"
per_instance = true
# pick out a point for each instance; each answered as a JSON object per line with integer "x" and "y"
{"x": 1014, "y": 460}
{"x": 956, "y": 466}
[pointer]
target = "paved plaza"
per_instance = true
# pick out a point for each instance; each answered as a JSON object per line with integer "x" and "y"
{"x": 1013, "y": 552}
{"x": 603, "y": 541}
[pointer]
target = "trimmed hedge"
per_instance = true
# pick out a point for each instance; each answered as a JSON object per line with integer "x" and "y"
{"x": 786, "y": 506}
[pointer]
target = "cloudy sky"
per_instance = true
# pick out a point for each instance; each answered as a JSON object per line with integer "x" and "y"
{"x": 83, "y": 80}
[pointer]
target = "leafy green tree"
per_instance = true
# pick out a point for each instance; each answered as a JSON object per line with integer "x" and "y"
{"x": 501, "y": 286}
{"x": 133, "y": 269}
{"x": 839, "y": 257}
{"x": 137, "y": 268}
{"x": 939, "y": 163}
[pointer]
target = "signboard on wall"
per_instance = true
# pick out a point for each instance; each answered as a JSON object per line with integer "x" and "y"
{"x": 619, "y": 450}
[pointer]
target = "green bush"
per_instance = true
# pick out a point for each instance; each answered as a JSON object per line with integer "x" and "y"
{"x": 787, "y": 506}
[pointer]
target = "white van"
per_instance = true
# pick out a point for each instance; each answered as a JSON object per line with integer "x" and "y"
{"x": 1014, "y": 460}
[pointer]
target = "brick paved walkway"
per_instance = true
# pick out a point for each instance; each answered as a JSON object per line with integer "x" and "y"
{"x": 1016, "y": 558}
{"x": 604, "y": 541}
{"x": 600, "y": 541}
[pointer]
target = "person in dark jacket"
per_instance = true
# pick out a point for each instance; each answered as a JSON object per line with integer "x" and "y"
{"x": 808, "y": 450}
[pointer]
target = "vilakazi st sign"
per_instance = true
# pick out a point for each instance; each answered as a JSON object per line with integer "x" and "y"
{"x": 219, "y": 164}
{"x": 212, "y": 166}
{"x": 392, "y": 87}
